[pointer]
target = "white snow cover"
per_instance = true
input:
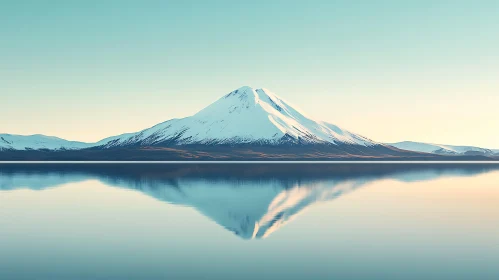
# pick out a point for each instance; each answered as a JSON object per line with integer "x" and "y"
{"x": 438, "y": 148}
{"x": 37, "y": 142}
{"x": 245, "y": 115}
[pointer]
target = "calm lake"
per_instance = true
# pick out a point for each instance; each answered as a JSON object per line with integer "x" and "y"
{"x": 249, "y": 221}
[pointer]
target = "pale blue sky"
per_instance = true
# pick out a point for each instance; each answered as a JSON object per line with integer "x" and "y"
{"x": 390, "y": 70}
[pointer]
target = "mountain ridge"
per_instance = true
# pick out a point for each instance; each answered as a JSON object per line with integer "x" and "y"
{"x": 245, "y": 118}
{"x": 441, "y": 149}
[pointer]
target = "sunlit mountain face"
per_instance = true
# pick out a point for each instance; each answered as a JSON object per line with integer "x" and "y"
{"x": 243, "y": 116}
{"x": 244, "y": 124}
{"x": 250, "y": 200}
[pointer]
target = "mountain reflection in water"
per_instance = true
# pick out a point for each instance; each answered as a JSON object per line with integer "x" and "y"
{"x": 251, "y": 200}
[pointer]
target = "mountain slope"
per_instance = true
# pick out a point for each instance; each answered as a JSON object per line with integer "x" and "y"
{"x": 247, "y": 123}
{"x": 441, "y": 149}
{"x": 38, "y": 142}
{"x": 244, "y": 116}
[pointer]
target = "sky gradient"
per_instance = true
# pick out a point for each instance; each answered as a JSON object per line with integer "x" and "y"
{"x": 389, "y": 70}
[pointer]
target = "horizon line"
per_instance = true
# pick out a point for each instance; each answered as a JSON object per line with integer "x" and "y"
{"x": 258, "y": 162}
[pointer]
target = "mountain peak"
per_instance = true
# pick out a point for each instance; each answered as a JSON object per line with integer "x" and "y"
{"x": 242, "y": 91}
{"x": 256, "y": 96}
{"x": 247, "y": 90}
{"x": 246, "y": 115}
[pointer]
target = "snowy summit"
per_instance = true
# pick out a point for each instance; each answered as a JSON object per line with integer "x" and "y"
{"x": 244, "y": 116}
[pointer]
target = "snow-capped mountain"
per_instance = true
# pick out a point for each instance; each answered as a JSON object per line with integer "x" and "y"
{"x": 244, "y": 116}
{"x": 442, "y": 149}
{"x": 38, "y": 142}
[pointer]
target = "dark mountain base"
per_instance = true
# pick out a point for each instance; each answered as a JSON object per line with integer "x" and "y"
{"x": 136, "y": 173}
{"x": 231, "y": 153}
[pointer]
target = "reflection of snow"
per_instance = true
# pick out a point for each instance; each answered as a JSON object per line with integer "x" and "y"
{"x": 251, "y": 208}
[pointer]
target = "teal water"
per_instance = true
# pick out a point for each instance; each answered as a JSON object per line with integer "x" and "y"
{"x": 249, "y": 221}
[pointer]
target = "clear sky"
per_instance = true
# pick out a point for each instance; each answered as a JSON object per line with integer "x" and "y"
{"x": 422, "y": 70}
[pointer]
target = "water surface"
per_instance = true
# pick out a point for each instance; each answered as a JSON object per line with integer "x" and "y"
{"x": 247, "y": 221}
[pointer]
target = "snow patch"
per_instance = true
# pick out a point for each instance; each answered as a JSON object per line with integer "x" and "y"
{"x": 439, "y": 148}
